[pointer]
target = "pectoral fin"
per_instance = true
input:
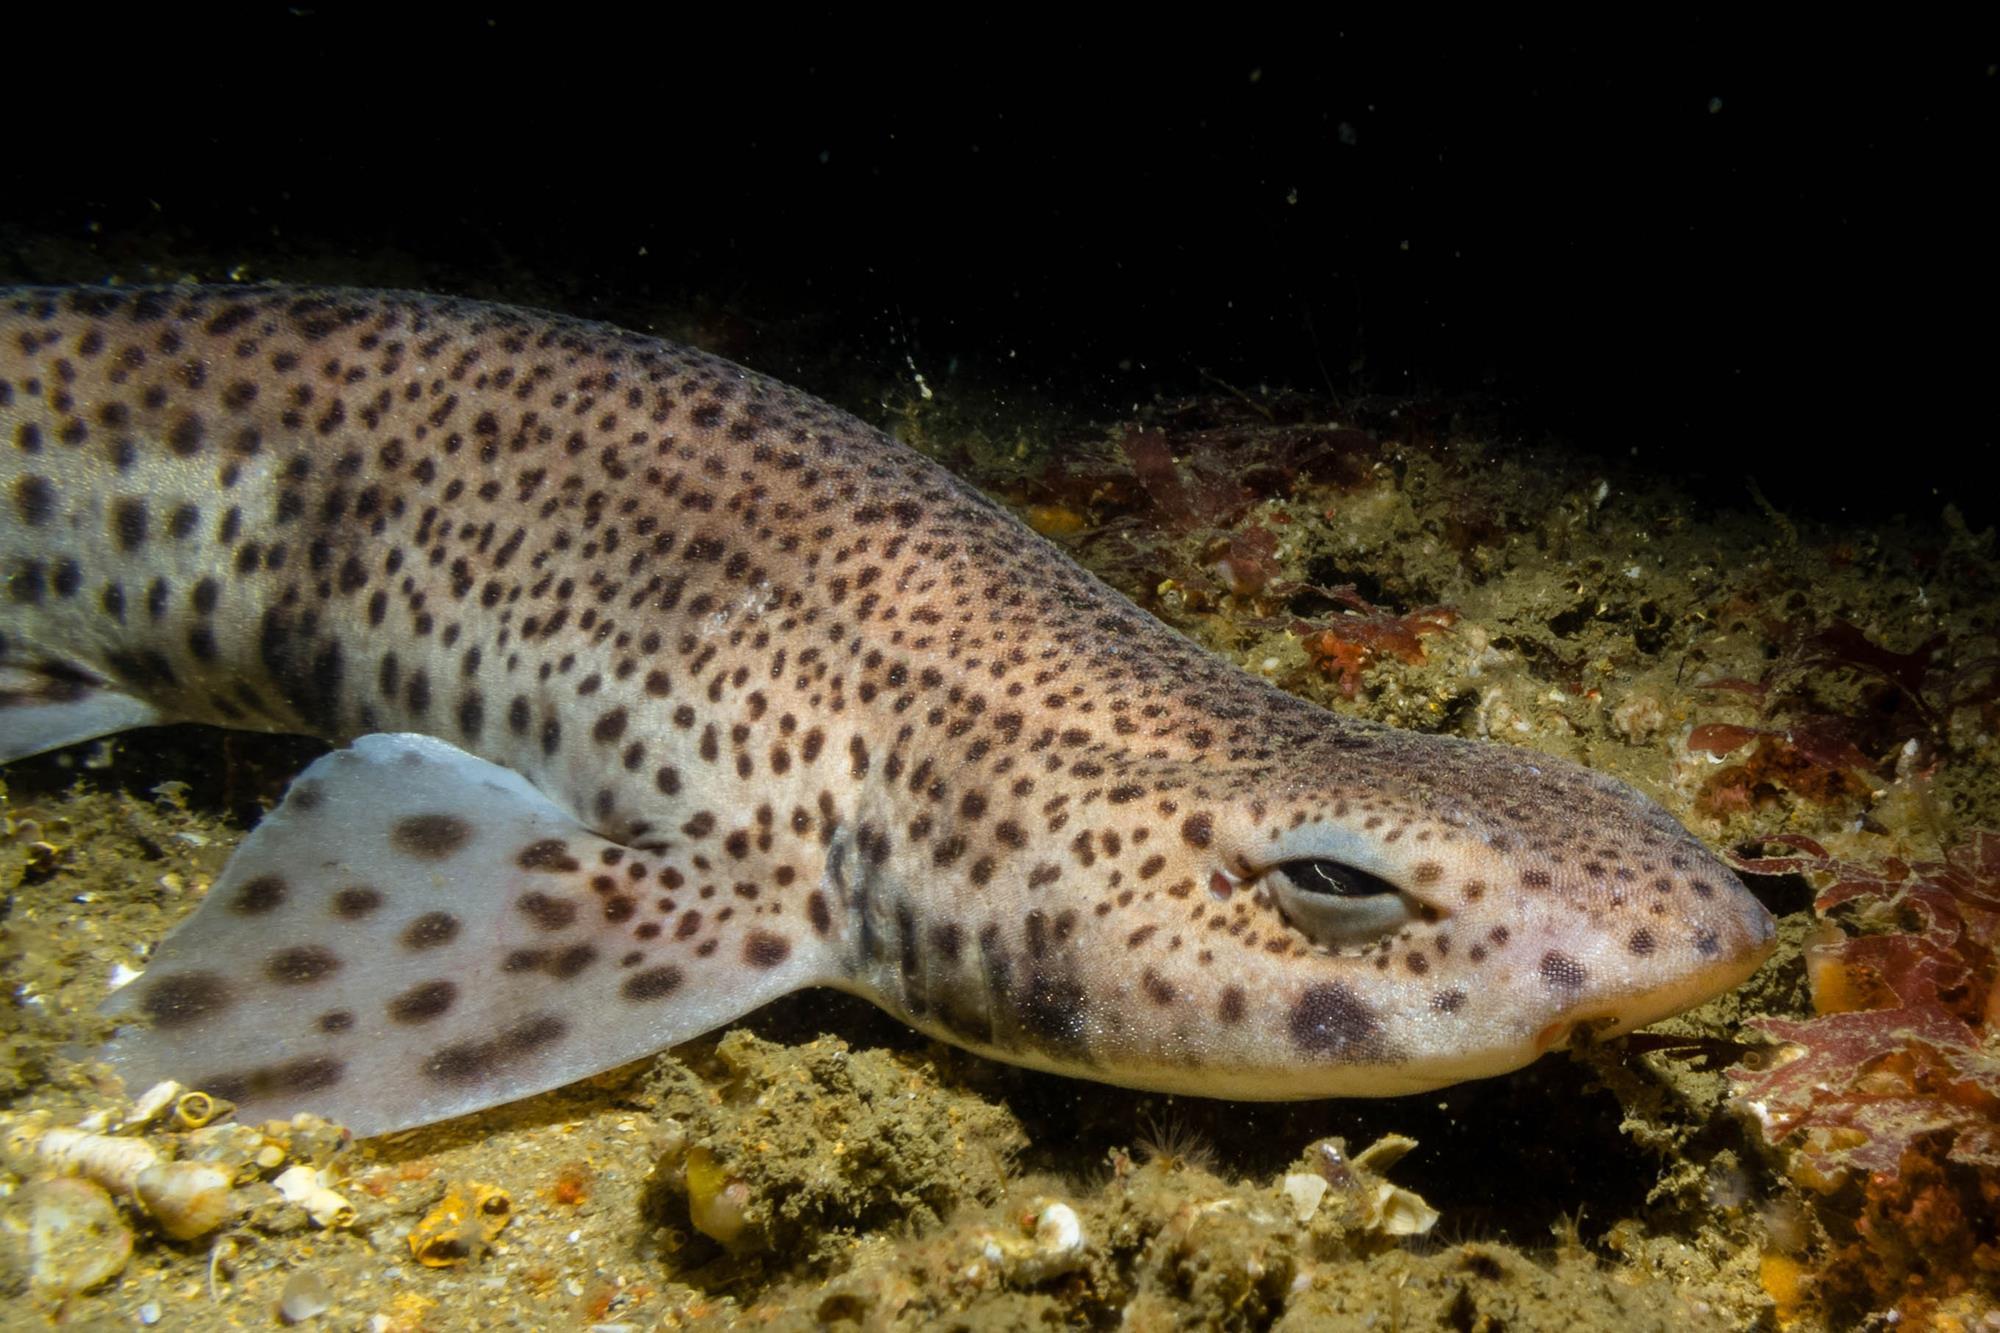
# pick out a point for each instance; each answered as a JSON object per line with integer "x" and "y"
{"x": 416, "y": 933}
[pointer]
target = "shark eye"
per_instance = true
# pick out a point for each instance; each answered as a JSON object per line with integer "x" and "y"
{"x": 1335, "y": 904}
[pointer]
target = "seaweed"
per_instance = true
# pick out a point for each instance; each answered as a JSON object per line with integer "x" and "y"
{"x": 1350, "y": 644}
{"x": 1836, "y": 711}
{"x": 1896, "y": 1053}
{"x": 1888, "y": 1099}
{"x": 1815, "y": 757}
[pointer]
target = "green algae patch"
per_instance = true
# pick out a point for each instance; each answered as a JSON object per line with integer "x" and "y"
{"x": 787, "y": 1154}
{"x": 1168, "y": 1244}
{"x": 1493, "y": 1287}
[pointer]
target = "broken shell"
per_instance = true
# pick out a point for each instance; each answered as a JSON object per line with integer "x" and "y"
{"x": 1304, "y": 1189}
{"x": 304, "y": 1186}
{"x": 464, "y": 1223}
{"x": 1399, "y": 1212}
{"x": 187, "y": 1199}
{"x": 108, "y": 1159}
{"x": 718, "y": 1203}
{"x": 1049, "y": 1244}
{"x": 153, "y": 1102}
{"x": 1058, "y": 1230}
{"x": 76, "y": 1237}
{"x": 495, "y": 1208}
{"x": 192, "y": 1110}
{"x": 1384, "y": 1153}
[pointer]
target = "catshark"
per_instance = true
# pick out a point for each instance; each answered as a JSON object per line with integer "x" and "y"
{"x": 664, "y": 689}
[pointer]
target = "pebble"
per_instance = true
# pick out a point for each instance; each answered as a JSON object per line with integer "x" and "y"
{"x": 306, "y": 1295}
{"x": 76, "y": 1237}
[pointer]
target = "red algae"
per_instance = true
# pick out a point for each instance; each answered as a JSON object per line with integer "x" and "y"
{"x": 1888, "y": 1100}
{"x": 1351, "y": 644}
{"x": 1895, "y": 1053}
{"x": 1837, "y": 712}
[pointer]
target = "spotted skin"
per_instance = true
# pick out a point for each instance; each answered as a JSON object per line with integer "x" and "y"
{"x": 880, "y": 735}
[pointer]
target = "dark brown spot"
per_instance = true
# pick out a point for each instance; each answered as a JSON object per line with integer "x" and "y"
{"x": 1053, "y": 1010}
{"x": 549, "y": 855}
{"x": 525, "y": 960}
{"x": 572, "y": 962}
{"x": 355, "y": 902}
{"x": 546, "y": 912}
{"x": 423, "y": 1002}
{"x": 1198, "y": 830}
{"x": 129, "y": 522}
{"x": 655, "y": 983}
{"x": 1562, "y": 973}
{"x": 335, "y": 1021}
{"x": 35, "y": 499}
{"x": 1641, "y": 942}
{"x": 467, "y": 1061}
{"x": 819, "y": 914}
{"x": 185, "y": 998}
{"x": 763, "y": 949}
{"x": 295, "y": 1077}
{"x": 301, "y": 965}
{"x": 610, "y": 726}
{"x": 1232, "y": 1005}
{"x": 266, "y": 893}
{"x": 1330, "y": 1020}
{"x": 430, "y": 837}
{"x": 430, "y": 930}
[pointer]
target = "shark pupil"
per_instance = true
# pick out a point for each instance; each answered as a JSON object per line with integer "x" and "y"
{"x": 1335, "y": 880}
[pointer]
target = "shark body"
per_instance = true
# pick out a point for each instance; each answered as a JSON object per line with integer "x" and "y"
{"x": 667, "y": 689}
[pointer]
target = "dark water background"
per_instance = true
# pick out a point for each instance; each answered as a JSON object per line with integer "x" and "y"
{"x": 1737, "y": 249}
